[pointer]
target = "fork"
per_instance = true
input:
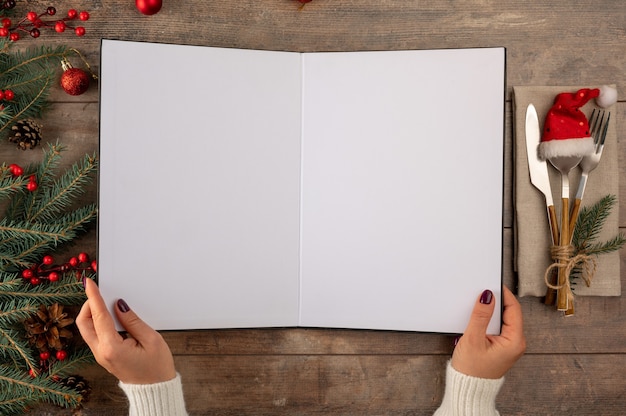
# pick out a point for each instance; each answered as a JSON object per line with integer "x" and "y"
{"x": 590, "y": 161}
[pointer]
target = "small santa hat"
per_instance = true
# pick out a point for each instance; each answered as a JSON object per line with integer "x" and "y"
{"x": 566, "y": 129}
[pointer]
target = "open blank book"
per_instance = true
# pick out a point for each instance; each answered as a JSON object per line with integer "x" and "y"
{"x": 248, "y": 188}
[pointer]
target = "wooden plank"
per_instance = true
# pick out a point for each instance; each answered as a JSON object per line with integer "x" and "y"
{"x": 572, "y": 384}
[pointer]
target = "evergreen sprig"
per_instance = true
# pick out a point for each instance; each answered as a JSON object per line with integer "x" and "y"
{"x": 35, "y": 222}
{"x": 29, "y": 74}
{"x": 588, "y": 227}
{"x": 41, "y": 220}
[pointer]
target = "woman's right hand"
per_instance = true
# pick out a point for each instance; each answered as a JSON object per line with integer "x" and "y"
{"x": 489, "y": 356}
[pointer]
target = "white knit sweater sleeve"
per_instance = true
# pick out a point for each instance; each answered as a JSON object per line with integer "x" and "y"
{"x": 469, "y": 396}
{"x": 159, "y": 399}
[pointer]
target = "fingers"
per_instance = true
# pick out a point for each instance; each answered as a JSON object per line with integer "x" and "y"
{"x": 513, "y": 325}
{"x": 102, "y": 325}
{"x": 136, "y": 327}
{"x": 481, "y": 315}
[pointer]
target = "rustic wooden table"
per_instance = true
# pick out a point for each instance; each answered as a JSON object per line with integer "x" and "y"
{"x": 573, "y": 366}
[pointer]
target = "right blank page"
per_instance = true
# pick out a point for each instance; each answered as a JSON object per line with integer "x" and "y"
{"x": 402, "y": 180}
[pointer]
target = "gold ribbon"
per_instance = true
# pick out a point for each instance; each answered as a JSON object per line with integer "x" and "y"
{"x": 563, "y": 258}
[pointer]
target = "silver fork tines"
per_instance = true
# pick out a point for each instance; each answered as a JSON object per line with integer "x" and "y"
{"x": 599, "y": 127}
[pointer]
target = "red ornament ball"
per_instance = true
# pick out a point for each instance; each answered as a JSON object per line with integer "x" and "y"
{"x": 75, "y": 81}
{"x": 45, "y": 355}
{"x": 53, "y": 277}
{"x": 83, "y": 257}
{"x": 61, "y": 355}
{"x": 47, "y": 260}
{"x": 149, "y": 7}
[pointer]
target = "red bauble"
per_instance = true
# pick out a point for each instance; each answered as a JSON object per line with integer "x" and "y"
{"x": 75, "y": 81}
{"x": 61, "y": 355}
{"x": 148, "y": 7}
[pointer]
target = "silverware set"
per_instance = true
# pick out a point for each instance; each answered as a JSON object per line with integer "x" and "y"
{"x": 562, "y": 234}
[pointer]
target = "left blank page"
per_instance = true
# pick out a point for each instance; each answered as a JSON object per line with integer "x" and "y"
{"x": 200, "y": 184}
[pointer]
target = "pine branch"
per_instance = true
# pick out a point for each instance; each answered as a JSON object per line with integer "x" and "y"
{"x": 81, "y": 358}
{"x": 15, "y": 311}
{"x": 58, "y": 197}
{"x": 67, "y": 291}
{"x": 590, "y": 222}
{"x": 614, "y": 244}
{"x": 19, "y": 384}
{"x": 44, "y": 172}
{"x": 9, "y": 184}
{"x": 13, "y": 346}
{"x": 29, "y": 74}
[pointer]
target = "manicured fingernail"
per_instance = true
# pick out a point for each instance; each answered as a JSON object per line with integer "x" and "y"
{"x": 84, "y": 282}
{"x": 456, "y": 340}
{"x": 486, "y": 297}
{"x": 122, "y": 305}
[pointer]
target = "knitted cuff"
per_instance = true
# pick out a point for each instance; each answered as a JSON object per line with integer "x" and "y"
{"x": 469, "y": 396}
{"x": 158, "y": 399}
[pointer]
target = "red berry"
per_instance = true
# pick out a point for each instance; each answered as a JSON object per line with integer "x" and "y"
{"x": 53, "y": 276}
{"x": 31, "y": 186}
{"x": 60, "y": 26}
{"x": 45, "y": 355}
{"x": 83, "y": 16}
{"x": 73, "y": 262}
{"x": 32, "y": 373}
{"x": 6, "y": 23}
{"x": 27, "y": 274}
{"x": 16, "y": 170}
{"x": 61, "y": 355}
{"x": 47, "y": 260}
{"x": 35, "y": 33}
{"x": 14, "y": 36}
{"x": 94, "y": 266}
{"x": 8, "y": 94}
{"x": 35, "y": 280}
{"x": 71, "y": 13}
{"x": 4, "y": 32}
{"x": 79, "y": 31}
{"x": 83, "y": 257}
{"x": 51, "y": 11}
{"x": 32, "y": 16}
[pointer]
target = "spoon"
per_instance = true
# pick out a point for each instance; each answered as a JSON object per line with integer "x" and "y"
{"x": 564, "y": 164}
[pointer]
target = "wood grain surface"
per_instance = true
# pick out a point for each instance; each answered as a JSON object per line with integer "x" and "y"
{"x": 573, "y": 366}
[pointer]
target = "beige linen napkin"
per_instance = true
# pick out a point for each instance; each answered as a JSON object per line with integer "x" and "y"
{"x": 532, "y": 234}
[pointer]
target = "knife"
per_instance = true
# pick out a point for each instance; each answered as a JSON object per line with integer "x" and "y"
{"x": 540, "y": 179}
{"x": 539, "y": 168}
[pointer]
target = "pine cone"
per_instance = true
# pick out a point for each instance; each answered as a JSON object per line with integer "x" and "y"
{"x": 79, "y": 384}
{"x": 26, "y": 133}
{"x": 47, "y": 328}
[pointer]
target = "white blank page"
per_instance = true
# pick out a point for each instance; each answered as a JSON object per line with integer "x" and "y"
{"x": 402, "y": 188}
{"x": 199, "y": 184}
{"x": 244, "y": 188}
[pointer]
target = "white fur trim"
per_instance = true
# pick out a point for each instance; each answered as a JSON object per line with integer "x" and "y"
{"x": 607, "y": 97}
{"x": 566, "y": 147}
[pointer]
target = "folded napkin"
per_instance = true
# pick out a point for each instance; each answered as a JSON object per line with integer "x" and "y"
{"x": 531, "y": 230}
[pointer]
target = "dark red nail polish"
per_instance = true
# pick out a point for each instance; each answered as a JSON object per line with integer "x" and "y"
{"x": 486, "y": 297}
{"x": 84, "y": 282}
{"x": 122, "y": 305}
{"x": 456, "y": 340}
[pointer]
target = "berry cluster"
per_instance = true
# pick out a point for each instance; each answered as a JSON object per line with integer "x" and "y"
{"x": 47, "y": 270}
{"x": 33, "y": 22}
{"x": 17, "y": 170}
{"x": 44, "y": 358}
{"x": 7, "y": 95}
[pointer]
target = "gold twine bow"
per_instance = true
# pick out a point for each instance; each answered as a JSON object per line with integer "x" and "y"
{"x": 564, "y": 258}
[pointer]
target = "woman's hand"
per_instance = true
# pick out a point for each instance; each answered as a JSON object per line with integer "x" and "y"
{"x": 489, "y": 356}
{"x": 142, "y": 357}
